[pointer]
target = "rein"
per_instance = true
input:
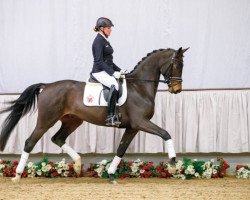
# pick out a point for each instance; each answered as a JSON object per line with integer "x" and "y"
{"x": 167, "y": 81}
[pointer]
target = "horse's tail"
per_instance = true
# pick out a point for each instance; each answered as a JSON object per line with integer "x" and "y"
{"x": 18, "y": 108}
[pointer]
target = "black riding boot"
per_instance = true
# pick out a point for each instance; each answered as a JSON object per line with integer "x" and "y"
{"x": 112, "y": 118}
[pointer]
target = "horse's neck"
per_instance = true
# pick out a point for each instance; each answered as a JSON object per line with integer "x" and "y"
{"x": 142, "y": 74}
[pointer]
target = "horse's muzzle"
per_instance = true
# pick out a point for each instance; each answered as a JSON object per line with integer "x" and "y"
{"x": 176, "y": 88}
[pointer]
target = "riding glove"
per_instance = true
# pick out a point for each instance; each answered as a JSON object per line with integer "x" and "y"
{"x": 117, "y": 74}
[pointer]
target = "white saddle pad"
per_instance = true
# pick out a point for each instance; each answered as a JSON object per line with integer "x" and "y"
{"x": 93, "y": 94}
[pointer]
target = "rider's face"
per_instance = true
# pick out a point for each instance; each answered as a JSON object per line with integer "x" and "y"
{"x": 107, "y": 30}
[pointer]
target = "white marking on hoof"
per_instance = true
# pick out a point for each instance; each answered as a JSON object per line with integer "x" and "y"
{"x": 16, "y": 179}
{"x": 113, "y": 182}
{"x": 77, "y": 166}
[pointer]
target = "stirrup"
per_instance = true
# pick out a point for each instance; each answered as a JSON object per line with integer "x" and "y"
{"x": 113, "y": 121}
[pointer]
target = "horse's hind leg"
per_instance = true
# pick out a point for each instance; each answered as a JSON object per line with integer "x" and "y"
{"x": 69, "y": 124}
{"x": 40, "y": 129}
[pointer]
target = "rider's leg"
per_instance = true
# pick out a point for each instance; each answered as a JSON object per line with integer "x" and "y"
{"x": 109, "y": 81}
{"x": 105, "y": 79}
{"x": 112, "y": 120}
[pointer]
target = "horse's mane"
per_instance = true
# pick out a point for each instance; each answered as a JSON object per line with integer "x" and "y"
{"x": 149, "y": 54}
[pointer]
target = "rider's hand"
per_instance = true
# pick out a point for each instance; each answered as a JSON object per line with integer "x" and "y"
{"x": 117, "y": 74}
{"x": 123, "y": 72}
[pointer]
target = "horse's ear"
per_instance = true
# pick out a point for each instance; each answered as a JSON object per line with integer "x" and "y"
{"x": 179, "y": 51}
{"x": 184, "y": 50}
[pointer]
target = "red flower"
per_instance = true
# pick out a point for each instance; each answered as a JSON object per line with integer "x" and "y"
{"x": 240, "y": 166}
{"x": 91, "y": 173}
{"x": 52, "y": 170}
{"x": 167, "y": 173}
{"x": 6, "y": 169}
{"x": 215, "y": 175}
{"x": 130, "y": 163}
{"x": 70, "y": 167}
{"x": 159, "y": 168}
{"x": 122, "y": 176}
{"x": 55, "y": 173}
{"x": 15, "y": 163}
{"x": 25, "y": 174}
{"x": 163, "y": 175}
{"x": 146, "y": 174}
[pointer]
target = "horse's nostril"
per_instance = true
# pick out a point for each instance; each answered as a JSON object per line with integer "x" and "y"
{"x": 178, "y": 91}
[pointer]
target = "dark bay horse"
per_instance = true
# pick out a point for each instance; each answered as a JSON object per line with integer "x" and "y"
{"x": 63, "y": 100}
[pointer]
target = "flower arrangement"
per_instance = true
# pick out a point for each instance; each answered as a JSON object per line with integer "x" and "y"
{"x": 243, "y": 171}
{"x": 186, "y": 169}
{"x": 44, "y": 168}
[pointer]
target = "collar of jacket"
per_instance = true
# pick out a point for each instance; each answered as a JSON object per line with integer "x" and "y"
{"x": 102, "y": 35}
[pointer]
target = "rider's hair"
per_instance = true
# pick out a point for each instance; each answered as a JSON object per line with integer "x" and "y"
{"x": 96, "y": 29}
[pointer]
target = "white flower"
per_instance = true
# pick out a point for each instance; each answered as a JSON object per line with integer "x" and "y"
{"x": 59, "y": 171}
{"x": 1, "y": 166}
{"x": 134, "y": 168}
{"x": 99, "y": 171}
{"x": 65, "y": 166}
{"x": 214, "y": 171}
{"x": 43, "y": 164}
{"x": 103, "y": 162}
{"x": 39, "y": 172}
{"x": 65, "y": 174}
{"x": 197, "y": 175}
{"x": 181, "y": 176}
{"x": 194, "y": 160}
{"x": 190, "y": 170}
{"x": 172, "y": 170}
{"x": 142, "y": 171}
{"x": 212, "y": 160}
{"x": 107, "y": 166}
{"x": 30, "y": 164}
{"x": 243, "y": 173}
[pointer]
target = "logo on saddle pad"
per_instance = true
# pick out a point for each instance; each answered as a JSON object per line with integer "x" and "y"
{"x": 95, "y": 94}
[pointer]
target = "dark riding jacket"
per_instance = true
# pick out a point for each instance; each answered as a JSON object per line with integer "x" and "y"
{"x": 103, "y": 58}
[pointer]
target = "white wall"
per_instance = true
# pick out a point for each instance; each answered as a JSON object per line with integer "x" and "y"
{"x": 50, "y": 40}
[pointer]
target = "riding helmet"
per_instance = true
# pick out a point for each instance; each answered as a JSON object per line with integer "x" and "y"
{"x": 103, "y": 22}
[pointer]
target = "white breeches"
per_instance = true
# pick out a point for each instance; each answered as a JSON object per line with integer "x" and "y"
{"x": 105, "y": 79}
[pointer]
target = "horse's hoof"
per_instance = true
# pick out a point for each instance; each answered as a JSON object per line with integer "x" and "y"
{"x": 172, "y": 161}
{"x": 77, "y": 167}
{"x": 112, "y": 179}
{"x": 16, "y": 179}
{"x": 113, "y": 182}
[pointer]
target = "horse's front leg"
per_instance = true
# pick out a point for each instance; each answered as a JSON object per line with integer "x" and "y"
{"x": 127, "y": 137}
{"x": 148, "y": 126}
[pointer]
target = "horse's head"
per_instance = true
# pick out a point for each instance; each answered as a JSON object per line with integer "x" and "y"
{"x": 172, "y": 71}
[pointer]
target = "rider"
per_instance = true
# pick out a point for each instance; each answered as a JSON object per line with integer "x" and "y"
{"x": 104, "y": 70}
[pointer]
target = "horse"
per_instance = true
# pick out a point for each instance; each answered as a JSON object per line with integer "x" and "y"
{"x": 63, "y": 100}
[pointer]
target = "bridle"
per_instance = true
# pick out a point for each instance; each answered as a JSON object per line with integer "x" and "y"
{"x": 168, "y": 73}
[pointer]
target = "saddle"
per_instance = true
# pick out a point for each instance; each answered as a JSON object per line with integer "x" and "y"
{"x": 96, "y": 94}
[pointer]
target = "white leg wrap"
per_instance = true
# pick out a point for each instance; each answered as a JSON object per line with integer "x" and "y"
{"x": 71, "y": 152}
{"x": 170, "y": 147}
{"x": 114, "y": 164}
{"x": 22, "y": 163}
